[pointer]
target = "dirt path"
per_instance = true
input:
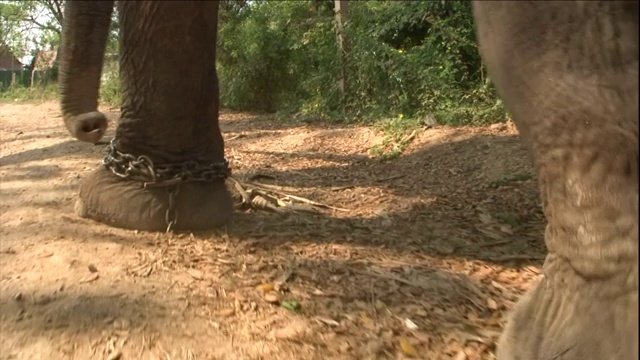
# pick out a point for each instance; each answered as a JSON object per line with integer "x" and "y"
{"x": 435, "y": 247}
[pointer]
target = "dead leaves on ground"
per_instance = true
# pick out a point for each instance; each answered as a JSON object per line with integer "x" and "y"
{"x": 363, "y": 282}
{"x": 376, "y": 312}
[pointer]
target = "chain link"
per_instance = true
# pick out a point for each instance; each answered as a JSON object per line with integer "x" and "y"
{"x": 142, "y": 169}
{"x": 171, "y": 215}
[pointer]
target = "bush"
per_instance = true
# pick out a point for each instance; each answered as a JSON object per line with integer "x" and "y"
{"x": 38, "y": 92}
{"x": 261, "y": 60}
{"x": 418, "y": 59}
{"x": 110, "y": 84}
{"x": 49, "y": 90}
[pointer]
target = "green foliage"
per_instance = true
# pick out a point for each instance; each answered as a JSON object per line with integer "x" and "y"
{"x": 418, "y": 59}
{"x": 399, "y": 134}
{"x": 257, "y": 57}
{"x": 43, "y": 89}
{"x": 38, "y": 92}
{"x": 110, "y": 85}
{"x": 30, "y": 26}
{"x": 10, "y": 35}
{"x": 27, "y": 26}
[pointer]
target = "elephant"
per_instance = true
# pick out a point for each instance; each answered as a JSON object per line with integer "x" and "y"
{"x": 169, "y": 133}
{"x": 567, "y": 72}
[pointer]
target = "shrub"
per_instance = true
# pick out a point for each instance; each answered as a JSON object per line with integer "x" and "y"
{"x": 418, "y": 59}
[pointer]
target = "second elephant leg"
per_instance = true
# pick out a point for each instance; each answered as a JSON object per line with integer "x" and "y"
{"x": 572, "y": 88}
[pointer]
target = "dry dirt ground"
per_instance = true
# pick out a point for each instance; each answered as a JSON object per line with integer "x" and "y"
{"x": 420, "y": 257}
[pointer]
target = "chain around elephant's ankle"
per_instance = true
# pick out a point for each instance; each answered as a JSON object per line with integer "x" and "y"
{"x": 171, "y": 176}
{"x": 143, "y": 169}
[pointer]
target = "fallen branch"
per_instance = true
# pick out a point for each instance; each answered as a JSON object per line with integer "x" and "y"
{"x": 246, "y": 199}
{"x": 314, "y": 203}
{"x": 261, "y": 195}
{"x": 276, "y": 190}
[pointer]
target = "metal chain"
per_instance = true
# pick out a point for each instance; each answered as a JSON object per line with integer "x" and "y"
{"x": 142, "y": 168}
{"x": 171, "y": 215}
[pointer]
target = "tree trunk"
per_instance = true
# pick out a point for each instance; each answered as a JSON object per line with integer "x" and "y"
{"x": 342, "y": 8}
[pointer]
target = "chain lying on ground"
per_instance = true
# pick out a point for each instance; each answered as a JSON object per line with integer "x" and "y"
{"x": 142, "y": 168}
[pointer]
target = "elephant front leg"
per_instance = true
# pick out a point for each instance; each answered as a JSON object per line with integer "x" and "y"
{"x": 568, "y": 73}
{"x": 166, "y": 167}
{"x": 586, "y": 306}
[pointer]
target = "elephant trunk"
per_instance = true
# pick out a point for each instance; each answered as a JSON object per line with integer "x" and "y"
{"x": 84, "y": 37}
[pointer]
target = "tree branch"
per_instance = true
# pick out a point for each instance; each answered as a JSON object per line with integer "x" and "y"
{"x": 55, "y": 7}
{"x": 32, "y": 20}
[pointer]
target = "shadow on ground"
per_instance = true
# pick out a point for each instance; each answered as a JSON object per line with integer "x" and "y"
{"x": 445, "y": 215}
{"x": 65, "y": 148}
{"x": 434, "y": 246}
{"x": 91, "y": 320}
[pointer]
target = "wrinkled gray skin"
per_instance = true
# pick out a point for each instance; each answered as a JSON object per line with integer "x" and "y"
{"x": 169, "y": 110}
{"x": 568, "y": 72}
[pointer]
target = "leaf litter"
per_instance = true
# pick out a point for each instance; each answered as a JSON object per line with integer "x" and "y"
{"x": 326, "y": 217}
{"x": 334, "y": 252}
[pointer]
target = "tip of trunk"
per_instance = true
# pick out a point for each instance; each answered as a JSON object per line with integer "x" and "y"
{"x": 88, "y": 127}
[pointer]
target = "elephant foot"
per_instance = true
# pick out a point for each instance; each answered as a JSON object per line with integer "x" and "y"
{"x": 567, "y": 316}
{"x": 127, "y": 204}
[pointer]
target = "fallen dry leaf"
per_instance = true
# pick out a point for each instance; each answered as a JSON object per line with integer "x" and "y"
{"x": 410, "y": 324}
{"x": 195, "y": 273}
{"x": 272, "y": 297}
{"x": 407, "y": 348}
{"x": 461, "y": 355}
{"x": 329, "y": 322}
{"x": 492, "y": 304}
{"x": 227, "y": 312}
{"x": 89, "y": 278}
{"x": 291, "y": 331}
{"x": 367, "y": 321}
{"x": 265, "y": 287}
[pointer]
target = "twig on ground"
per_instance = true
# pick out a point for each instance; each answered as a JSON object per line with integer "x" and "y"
{"x": 339, "y": 188}
{"x": 273, "y": 188}
{"x": 262, "y": 196}
{"x": 314, "y": 203}
{"x": 245, "y": 197}
{"x": 236, "y": 137}
{"x": 390, "y": 178}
